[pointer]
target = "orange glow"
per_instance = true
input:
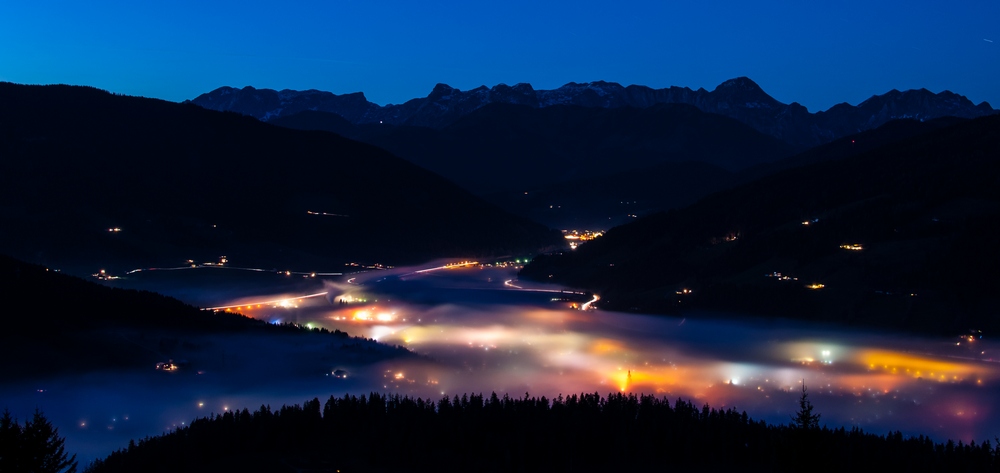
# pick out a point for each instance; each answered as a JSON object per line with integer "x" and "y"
{"x": 915, "y": 366}
{"x": 276, "y": 302}
{"x": 603, "y": 346}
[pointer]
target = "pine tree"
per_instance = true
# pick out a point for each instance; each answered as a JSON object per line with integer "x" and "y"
{"x": 10, "y": 442}
{"x": 42, "y": 448}
{"x": 804, "y": 418}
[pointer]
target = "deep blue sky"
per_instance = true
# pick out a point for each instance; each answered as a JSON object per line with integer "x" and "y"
{"x": 815, "y": 53}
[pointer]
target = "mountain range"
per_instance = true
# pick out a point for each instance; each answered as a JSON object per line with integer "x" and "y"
{"x": 181, "y": 182}
{"x": 503, "y": 149}
{"x": 739, "y": 98}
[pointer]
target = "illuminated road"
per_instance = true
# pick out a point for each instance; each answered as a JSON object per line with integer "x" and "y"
{"x": 588, "y": 304}
{"x": 510, "y": 283}
{"x": 283, "y": 302}
{"x": 220, "y": 266}
{"x": 463, "y": 264}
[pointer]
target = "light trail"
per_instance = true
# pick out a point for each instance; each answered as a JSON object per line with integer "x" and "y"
{"x": 438, "y": 268}
{"x": 586, "y": 305}
{"x": 275, "y": 301}
{"x": 219, "y": 266}
{"x": 159, "y": 269}
{"x": 509, "y": 283}
{"x": 328, "y": 214}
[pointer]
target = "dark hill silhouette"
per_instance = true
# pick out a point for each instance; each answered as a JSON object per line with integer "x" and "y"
{"x": 69, "y": 325}
{"x": 851, "y": 145}
{"x": 185, "y": 182}
{"x": 613, "y": 199}
{"x": 575, "y": 163}
{"x": 924, "y": 210}
{"x": 517, "y": 147}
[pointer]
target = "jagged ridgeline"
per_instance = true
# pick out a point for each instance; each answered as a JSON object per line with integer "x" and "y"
{"x": 901, "y": 235}
{"x": 739, "y": 98}
{"x": 579, "y": 433}
{"x": 182, "y": 181}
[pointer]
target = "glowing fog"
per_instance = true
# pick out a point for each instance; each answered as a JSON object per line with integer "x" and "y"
{"x": 477, "y": 329}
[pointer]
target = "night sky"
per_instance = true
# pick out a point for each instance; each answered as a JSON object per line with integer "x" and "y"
{"x": 815, "y": 53}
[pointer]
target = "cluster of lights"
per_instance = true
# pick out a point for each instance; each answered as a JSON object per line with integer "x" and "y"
{"x": 369, "y": 266}
{"x": 576, "y": 237}
{"x": 373, "y": 315}
{"x": 781, "y": 277}
{"x": 167, "y": 366}
{"x": 506, "y": 264}
{"x": 729, "y": 237}
{"x": 105, "y": 276}
{"x": 918, "y": 367}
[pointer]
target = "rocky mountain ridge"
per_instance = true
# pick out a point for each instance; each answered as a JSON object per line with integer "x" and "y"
{"x": 739, "y": 98}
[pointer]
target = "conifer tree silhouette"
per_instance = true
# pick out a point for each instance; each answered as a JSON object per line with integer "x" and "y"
{"x": 42, "y": 448}
{"x": 804, "y": 418}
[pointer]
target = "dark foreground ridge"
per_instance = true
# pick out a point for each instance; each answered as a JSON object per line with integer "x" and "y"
{"x": 382, "y": 433}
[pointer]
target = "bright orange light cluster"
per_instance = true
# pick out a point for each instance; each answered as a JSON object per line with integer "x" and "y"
{"x": 916, "y": 366}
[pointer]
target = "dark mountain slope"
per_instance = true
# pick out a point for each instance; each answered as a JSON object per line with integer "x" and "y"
{"x": 851, "y": 145}
{"x": 184, "y": 182}
{"x": 68, "y": 325}
{"x": 503, "y": 147}
{"x": 924, "y": 210}
{"x": 615, "y": 198}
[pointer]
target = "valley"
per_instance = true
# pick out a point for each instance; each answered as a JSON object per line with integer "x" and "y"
{"x": 466, "y": 328}
{"x": 574, "y": 246}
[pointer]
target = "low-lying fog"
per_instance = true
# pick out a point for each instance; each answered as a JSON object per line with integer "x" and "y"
{"x": 477, "y": 329}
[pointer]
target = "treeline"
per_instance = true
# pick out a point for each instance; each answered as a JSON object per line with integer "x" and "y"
{"x": 35, "y": 447}
{"x": 585, "y": 432}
